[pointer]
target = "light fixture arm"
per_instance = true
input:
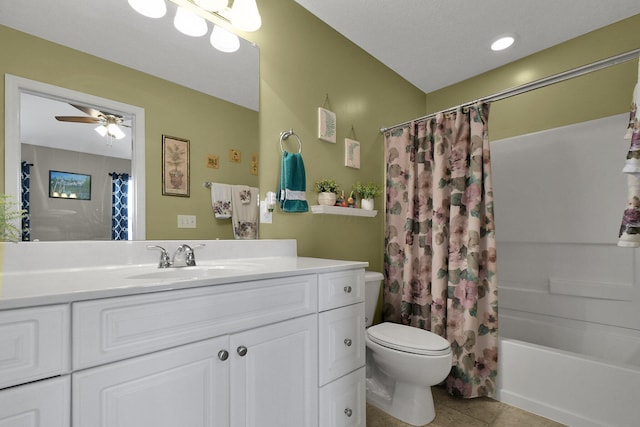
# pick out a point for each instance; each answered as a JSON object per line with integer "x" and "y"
{"x": 221, "y": 17}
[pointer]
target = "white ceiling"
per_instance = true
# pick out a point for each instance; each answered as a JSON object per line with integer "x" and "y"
{"x": 436, "y": 43}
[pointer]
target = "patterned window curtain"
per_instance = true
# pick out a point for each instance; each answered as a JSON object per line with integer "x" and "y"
{"x": 629, "y": 236}
{"x": 25, "y": 179}
{"x": 440, "y": 248}
{"x": 119, "y": 206}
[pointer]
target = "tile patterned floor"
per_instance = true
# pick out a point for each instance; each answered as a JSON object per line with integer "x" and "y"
{"x": 480, "y": 412}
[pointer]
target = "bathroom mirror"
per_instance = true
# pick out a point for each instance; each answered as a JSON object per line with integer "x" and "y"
{"x": 32, "y": 133}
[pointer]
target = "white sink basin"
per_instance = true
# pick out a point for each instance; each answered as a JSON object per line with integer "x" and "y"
{"x": 196, "y": 272}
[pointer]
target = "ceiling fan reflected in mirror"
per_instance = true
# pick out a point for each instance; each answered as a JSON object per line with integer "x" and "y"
{"x": 108, "y": 123}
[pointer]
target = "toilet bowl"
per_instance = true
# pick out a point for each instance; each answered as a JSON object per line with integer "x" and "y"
{"x": 403, "y": 363}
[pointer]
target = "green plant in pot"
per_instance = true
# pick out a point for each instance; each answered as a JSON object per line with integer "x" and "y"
{"x": 366, "y": 193}
{"x": 9, "y": 215}
{"x": 327, "y": 190}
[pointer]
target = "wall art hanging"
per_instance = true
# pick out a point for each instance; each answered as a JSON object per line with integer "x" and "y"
{"x": 351, "y": 153}
{"x": 175, "y": 166}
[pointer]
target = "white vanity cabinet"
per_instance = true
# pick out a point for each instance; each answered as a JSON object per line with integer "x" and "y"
{"x": 236, "y": 373}
{"x": 342, "y": 349}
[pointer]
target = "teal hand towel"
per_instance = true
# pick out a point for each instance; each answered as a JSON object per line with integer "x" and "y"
{"x": 293, "y": 184}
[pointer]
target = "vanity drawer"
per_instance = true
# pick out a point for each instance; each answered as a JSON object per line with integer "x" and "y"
{"x": 340, "y": 289}
{"x": 116, "y": 328}
{"x": 34, "y": 344}
{"x": 342, "y": 346}
{"x": 343, "y": 402}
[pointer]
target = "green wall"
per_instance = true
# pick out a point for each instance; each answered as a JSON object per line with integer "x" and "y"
{"x": 212, "y": 125}
{"x": 301, "y": 61}
{"x": 595, "y": 95}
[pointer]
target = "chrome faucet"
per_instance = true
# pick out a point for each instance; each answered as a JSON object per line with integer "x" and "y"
{"x": 165, "y": 261}
{"x": 184, "y": 256}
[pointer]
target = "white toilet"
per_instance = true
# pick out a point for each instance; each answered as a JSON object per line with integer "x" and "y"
{"x": 403, "y": 363}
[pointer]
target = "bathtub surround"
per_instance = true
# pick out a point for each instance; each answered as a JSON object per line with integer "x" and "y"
{"x": 440, "y": 254}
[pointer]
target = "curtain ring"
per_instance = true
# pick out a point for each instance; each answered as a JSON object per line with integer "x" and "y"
{"x": 285, "y": 135}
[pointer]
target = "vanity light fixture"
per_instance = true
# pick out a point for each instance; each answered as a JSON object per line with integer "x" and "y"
{"x": 223, "y": 40}
{"x": 192, "y": 15}
{"x": 502, "y": 43}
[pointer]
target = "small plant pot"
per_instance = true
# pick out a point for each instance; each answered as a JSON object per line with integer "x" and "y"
{"x": 327, "y": 199}
{"x": 366, "y": 204}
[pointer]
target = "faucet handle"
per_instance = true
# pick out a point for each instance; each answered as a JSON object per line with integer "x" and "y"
{"x": 165, "y": 260}
{"x": 190, "y": 254}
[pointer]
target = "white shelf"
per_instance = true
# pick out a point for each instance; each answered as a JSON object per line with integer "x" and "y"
{"x": 338, "y": 210}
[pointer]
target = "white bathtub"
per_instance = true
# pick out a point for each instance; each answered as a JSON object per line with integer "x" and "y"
{"x": 573, "y": 389}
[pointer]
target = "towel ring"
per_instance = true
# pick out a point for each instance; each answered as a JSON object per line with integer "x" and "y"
{"x": 285, "y": 135}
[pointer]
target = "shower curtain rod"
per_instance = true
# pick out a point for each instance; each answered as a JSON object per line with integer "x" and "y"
{"x": 537, "y": 84}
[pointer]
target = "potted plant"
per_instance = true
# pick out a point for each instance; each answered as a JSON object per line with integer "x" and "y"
{"x": 9, "y": 215}
{"x": 326, "y": 189}
{"x": 366, "y": 193}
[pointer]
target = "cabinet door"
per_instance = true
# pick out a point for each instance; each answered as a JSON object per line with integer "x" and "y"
{"x": 274, "y": 379}
{"x": 183, "y": 386}
{"x": 40, "y": 404}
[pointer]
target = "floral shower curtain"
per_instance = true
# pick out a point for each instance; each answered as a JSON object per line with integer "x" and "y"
{"x": 25, "y": 184}
{"x": 440, "y": 248}
{"x": 119, "y": 206}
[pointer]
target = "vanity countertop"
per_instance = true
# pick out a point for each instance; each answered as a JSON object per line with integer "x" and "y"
{"x": 43, "y": 286}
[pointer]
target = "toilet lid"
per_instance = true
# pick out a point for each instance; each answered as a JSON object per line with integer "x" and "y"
{"x": 408, "y": 339}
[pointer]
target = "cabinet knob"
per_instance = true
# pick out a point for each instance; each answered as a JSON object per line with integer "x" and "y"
{"x": 223, "y": 355}
{"x": 347, "y": 342}
{"x": 347, "y": 289}
{"x": 348, "y": 412}
{"x": 242, "y": 350}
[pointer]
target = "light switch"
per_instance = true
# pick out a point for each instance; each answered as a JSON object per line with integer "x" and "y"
{"x": 186, "y": 221}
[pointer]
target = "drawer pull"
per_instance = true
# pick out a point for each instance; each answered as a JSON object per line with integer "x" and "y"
{"x": 347, "y": 289}
{"x": 347, "y": 342}
{"x": 242, "y": 350}
{"x": 223, "y": 355}
{"x": 348, "y": 412}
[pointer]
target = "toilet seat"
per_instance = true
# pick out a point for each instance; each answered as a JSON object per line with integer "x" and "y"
{"x": 408, "y": 339}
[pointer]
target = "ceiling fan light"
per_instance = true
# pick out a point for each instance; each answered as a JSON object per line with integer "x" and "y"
{"x": 102, "y": 130}
{"x": 189, "y": 23}
{"x": 115, "y": 131}
{"x": 212, "y": 5}
{"x": 245, "y": 15}
{"x": 223, "y": 40}
{"x": 149, "y": 8}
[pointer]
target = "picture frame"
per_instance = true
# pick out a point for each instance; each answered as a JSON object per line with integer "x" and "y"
{"x": 351, "y": 153}
{"x": 327, "y": 125}
{"x": 69, "y": 185}
{"x": 175, "y": 166}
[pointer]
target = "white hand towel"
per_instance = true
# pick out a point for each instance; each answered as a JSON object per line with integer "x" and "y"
{"x": 221, "y": 200}
{"x": 244, "y": 201}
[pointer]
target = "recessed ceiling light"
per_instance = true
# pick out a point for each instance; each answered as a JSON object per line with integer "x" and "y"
{"x": 502, "y": 43}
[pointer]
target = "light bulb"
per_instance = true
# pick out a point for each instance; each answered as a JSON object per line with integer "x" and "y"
{"x": 189, "y": 23}
{"x": 245, "y": 15}
{"x": 224, "y": 40}
{"x": 115, "y": 131}
{"x": 212, "y": 5}
{"x": 149, "y": 8}
{"x": 102, "y": 130}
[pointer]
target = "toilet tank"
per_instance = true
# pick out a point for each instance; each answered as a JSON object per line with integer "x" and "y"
{"x": 372, "y": 282}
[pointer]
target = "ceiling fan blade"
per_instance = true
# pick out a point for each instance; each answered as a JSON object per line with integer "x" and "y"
{"x": 77, "y": 119}
{"x": 88, "y": 110}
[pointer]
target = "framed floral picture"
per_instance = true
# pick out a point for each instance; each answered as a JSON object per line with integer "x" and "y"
{"x": 326, "y": 125}
{"x": 175, "y": 166}
{"x": 351, "y": 153}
